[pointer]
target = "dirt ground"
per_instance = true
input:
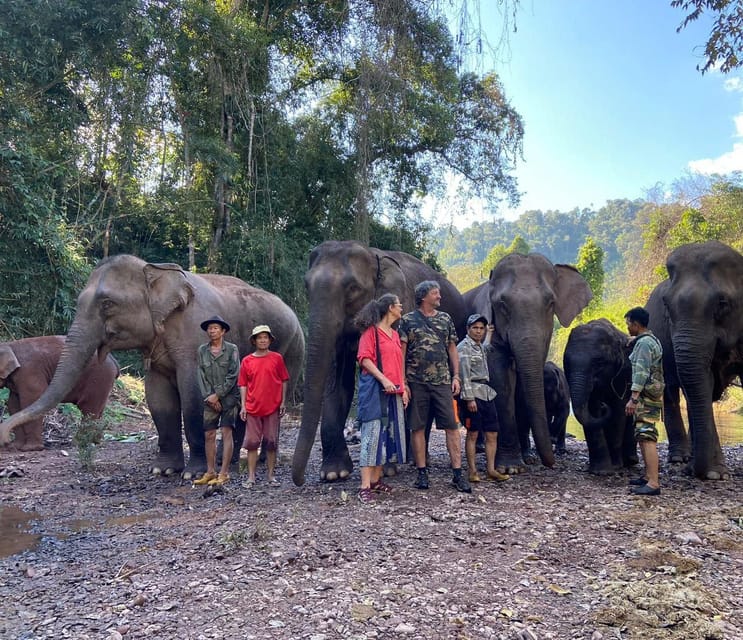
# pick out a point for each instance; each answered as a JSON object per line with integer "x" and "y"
{"x": 115, "y": 552}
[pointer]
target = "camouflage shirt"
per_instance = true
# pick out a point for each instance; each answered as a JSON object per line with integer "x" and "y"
{"x": 428, "y": 339}
{"x": 647, "y": 366}
{"x": 473, "y": 367}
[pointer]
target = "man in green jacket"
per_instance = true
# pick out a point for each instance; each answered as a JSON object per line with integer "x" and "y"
{"x": 219, "y": 364}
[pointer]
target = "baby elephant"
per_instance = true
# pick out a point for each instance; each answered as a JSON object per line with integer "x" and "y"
{"x": 26, "y": 368}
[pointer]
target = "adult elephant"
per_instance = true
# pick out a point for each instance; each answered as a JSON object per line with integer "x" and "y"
{"x": 704, "y": 302}
{"x": 556, "y": 404}
{"x": 599, "y": 375}
{"x": 26, "y": 368}
{"x": 157, "y": 308}
{"x": 342, "y": 277}
{"x": 679, "y": 445}
{"x": 521, "y": 298}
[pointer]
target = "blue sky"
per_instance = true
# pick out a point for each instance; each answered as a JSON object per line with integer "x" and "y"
{"x": 611, "y": 99}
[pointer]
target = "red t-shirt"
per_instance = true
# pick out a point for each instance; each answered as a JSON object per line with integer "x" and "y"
{"x": 264, "y": 377}
{"x": 390, "y": 350}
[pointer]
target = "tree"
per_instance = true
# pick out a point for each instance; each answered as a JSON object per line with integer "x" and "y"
{"x": 519, "y": 245}
{"x": 590, "y": 264}
{"x": 725, "y": 44}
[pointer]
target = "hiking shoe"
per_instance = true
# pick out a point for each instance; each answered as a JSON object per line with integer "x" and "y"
{"x": 637, "y": 482}
{"x": 461, "y": 483}
{"x": 381, "y": 487}
{"x": 206, "y": 478}
{"x": 422, "y": 481}
{"x": 366, "y": 495}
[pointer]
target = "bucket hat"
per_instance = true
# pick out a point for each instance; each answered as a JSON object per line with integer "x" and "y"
{"x": 215, "y": 320}
{"x": 261, "y": 328}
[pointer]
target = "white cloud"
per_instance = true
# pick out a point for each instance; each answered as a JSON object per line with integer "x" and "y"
{"x": 727, "y": 162}
{"x": 733, "y": 84}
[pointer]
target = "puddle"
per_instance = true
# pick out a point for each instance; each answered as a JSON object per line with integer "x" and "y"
{"x": 15, "y": 535}
{"x": 14, "y": 531}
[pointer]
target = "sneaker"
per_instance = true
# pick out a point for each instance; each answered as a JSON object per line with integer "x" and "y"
{"x": 637, "y": 482}
{"x": 461, "y": 483}
{"x": 206, "y": 478}
{"x": 366, "y": 495}
{"x": 422, "y": 481}
{"x": 381, "y": 487}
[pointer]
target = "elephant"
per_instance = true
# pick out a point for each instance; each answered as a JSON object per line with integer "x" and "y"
{"x": 128, "y": 303}
{"x": 27, "y": 367}
{"x": 599, "y": 375}
{"x": 520, "y": 298}
{"x": 679, "y": 445}
{"x": 342, "y": 276}
{"x": 556, "y": 404}
{"x": 703, "y": 301}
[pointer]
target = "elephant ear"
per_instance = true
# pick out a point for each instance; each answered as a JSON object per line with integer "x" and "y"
{"x": 390, "y": 277}
{"x": 8, "y": 362}
{"x": 168, "y": 290}
{"x": 572, "y": 293}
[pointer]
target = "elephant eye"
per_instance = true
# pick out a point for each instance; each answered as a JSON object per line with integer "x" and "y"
{"x": 723, "y": 307}
{"x": 107, "y": 305}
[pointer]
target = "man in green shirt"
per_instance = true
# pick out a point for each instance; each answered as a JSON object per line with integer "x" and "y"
{"x": 646, "y": 401}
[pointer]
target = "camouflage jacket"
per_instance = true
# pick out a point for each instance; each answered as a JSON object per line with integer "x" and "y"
{"x": 473, "y": 369}
{"x": 428, "y": 339}
{"x": 647, "y": 366}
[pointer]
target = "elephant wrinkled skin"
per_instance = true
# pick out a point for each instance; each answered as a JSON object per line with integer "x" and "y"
{"x": 157, "y": 308}
{"x": 521, "y": 298}
{"x": 599, "y": 374}
{"x": 26, "y": 368}
{"x": 341, "y": 278}
{"x": 703, "y": 301}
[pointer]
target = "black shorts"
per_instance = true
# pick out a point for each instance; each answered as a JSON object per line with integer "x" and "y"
{"x": 485, "y": 419}
{"x": 434, "y": 398}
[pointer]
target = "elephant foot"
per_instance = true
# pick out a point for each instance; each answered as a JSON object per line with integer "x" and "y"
{"x": 390, "y": 470}
{"x": 604, "y": 471}
{"x": 561, "y": 451}
{"x": 167, "y": 465}
{"x": 530, "y": 457}
{"x": 31, "y": 446}
{"x": 678, "y": 458}
{"x": 336, "y": 469}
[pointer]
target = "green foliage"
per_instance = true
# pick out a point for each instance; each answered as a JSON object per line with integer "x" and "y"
{"x": 87, "y": 435}
{"x": 724, "y": 48}
{"x": 590, "y": 265}
{"x": 498, "y": 252}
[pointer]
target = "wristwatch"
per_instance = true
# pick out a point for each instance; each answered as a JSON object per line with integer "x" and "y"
{"x": 635, "y": 400}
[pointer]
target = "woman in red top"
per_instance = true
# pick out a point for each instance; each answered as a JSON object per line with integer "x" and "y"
{"x": 382, "y": 414}
{"x": 262, "y": 381}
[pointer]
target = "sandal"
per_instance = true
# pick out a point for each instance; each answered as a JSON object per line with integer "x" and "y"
{"x": 497, "y": 475}
{"x": 274, "y": 482}
{"x": 381, "y": 487}
{"x": 248, "y": 484}
{"x": 475, "y": 477}
{"x": 221, "y": 479}
{"x": 366, "y": 495}
{"x": 206, "y": 478}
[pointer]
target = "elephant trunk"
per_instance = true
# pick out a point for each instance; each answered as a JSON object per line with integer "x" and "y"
{"x": 531, "y": 375}
{"x": 78, "y": 349}
{"x": 693, "y": 365}
{"x": 320, "y": 355}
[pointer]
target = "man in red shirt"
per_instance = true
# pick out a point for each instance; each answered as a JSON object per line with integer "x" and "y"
{"x": 263, "y": 381}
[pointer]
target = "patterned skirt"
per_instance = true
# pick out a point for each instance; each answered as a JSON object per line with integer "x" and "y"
{"x": 383, "y": 441}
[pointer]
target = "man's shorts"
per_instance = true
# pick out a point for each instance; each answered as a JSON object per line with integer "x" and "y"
{"x": 214, "y": 420}
{"x": 430, "y": 399}
{"x": 485, "y": 419}
{"x": 647, "y": 413}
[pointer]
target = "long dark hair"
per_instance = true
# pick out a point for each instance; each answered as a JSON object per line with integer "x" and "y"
{"x": 374, "y": 310}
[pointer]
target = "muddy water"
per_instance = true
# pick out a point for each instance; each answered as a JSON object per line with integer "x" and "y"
{"x": 16, "y": 525}
{"x": 729, "y": 428}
